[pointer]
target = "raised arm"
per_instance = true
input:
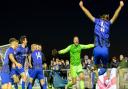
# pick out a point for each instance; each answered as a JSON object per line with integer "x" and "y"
{"x": 86, "y": 11}
{"x": 117, "y": 12}
{"x": 87, "y": 46}
{"x": 63, "y": 51}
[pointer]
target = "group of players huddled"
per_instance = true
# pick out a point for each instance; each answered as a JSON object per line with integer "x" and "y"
{"x": 14, "y": 61}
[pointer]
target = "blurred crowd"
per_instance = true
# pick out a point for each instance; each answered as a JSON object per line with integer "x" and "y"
{"x": 87, "y": 63}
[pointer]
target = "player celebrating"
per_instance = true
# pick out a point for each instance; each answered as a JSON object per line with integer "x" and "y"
{"x": 20, "y": 54}
{"x": 8, "y": 60}
{"x": 75, "y": 61}
{"x": 101, "y": 33}
{"x": 36, "y": 60}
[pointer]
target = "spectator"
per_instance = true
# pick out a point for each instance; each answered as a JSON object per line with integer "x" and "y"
{"x": 67, "y": 66}
{"x": 89, "y": 64}
{"x": 86, "y": 57}
{"x": 114, "y": 63}
{"x": 62, "y": 66}
{"x": 85, "y": 64}
{"x": 123, "y": 63}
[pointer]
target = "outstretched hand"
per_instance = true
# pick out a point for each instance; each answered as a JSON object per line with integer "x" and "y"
{"x": 121, "y": 3}
{"x": 81, "y": 3}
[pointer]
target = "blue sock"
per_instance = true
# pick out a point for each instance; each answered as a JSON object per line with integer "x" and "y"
{"x": 16, "y": 86}
{"x": 44, "y": 86}
{"x": 23, "y": 85}
{"x": 30, "y": 86}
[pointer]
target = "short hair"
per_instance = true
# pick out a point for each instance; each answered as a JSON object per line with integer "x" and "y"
{"x": 13, "y": 40}
{"x": 106, "y": 16}
{"x": 114, "y": 57}
{"x": 22, "y": 38}
{"x": 75, "y": 37}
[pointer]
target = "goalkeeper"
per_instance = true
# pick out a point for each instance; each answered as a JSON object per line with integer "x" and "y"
{"x": 75, "y": 61}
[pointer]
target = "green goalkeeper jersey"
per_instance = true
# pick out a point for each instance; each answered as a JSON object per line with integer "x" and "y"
{"x": 75, "y": 52}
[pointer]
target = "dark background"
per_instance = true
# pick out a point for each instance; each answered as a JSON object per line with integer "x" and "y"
{"x": 53, "y": 23}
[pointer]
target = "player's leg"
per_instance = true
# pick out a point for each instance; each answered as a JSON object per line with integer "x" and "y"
{"x": 9, "y": 86}
{"x": 15, "y": 78}
{"x": 40, "y": 76}
{"x": 32, "y": 77}
{"x": 15, "y": 81}
{"x": 97, "y": 61}
{"x": 105, "y": 57}
{"x": 73, "y": 76}
{"x": 23, "y": 77}
{"x": 81, "y": 76}
{"x": 42, "y": 82}
{"x": 4, "y": 86}
{"x": 97, "y": 56}
{"x": 30, "y": 83}
{"x": 6, "y": 80}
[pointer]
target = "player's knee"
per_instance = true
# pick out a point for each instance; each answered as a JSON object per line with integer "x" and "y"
{"x": 31, "y": 80}
{"x": 9, "y": 86}
{"x": 4, "y": 86}
{"x": 15, "y": 78}
{"x": 24, "y": 77}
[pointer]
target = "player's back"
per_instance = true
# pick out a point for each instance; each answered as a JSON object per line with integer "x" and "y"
{"x": 101, "y": 32}
{"x": 37, "y": 60}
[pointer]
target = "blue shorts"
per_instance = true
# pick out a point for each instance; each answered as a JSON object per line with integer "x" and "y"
{"x": 6, "y": 78}
{"x": 37, "y": 73}
{"x": 5, "y": 74}
{"x": 101, "y": 55}
{"x": 30, "y": 71}
{"x": 17, "y": 71}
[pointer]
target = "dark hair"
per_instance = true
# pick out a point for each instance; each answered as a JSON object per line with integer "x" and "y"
{"x": 105, "y": 16}
{"x": 114, "y": 57}
{"x": 13, "y": 40}
{"x": 22, "y": 38}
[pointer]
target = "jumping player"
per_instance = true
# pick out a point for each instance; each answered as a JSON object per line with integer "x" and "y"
{"x": 101, "y": 34}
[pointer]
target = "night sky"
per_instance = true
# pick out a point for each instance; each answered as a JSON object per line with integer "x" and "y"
{"x": 53, "y": 23}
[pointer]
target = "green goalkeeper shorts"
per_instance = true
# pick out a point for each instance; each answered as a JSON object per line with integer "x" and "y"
{"x": 75, "y": 70}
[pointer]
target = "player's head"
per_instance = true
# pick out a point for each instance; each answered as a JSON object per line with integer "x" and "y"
{"x": 33, "y": 47}
{"x": 76, "y": 40}
{"x": 13, "y": 42}
{"x": 23, "y": 40}
{"x": 105, "y": 17}
{"x": 39, "y": 47}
